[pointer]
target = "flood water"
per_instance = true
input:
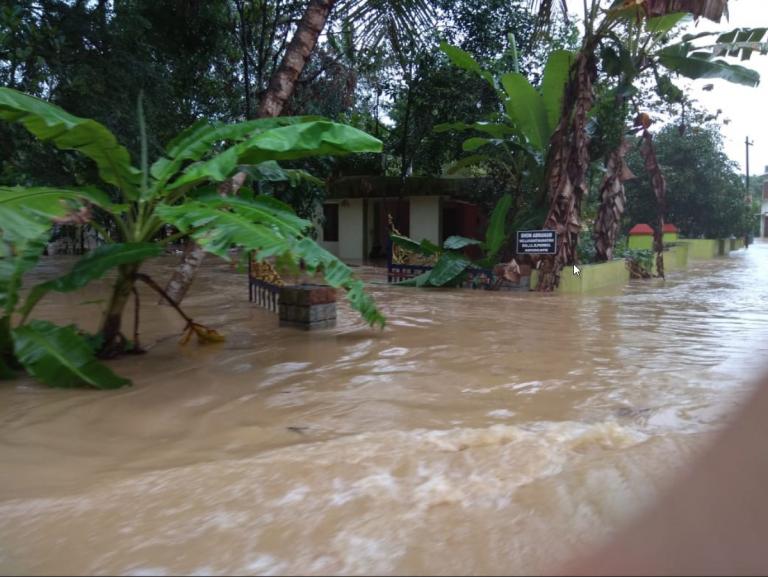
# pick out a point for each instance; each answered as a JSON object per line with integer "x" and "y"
{"x": 478, "y": 433}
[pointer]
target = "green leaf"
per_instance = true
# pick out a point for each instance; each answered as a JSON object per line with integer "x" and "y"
{"x": 15, "y": 260}
{"x": 417, "y": 281}
{"x": 67, "y": 132}
{"x": 405, "y": 242}
{"x": 91, "y": 267}
{"x": 496, "y": 232}
{"x": 269, "y": 171}
{"x": 60, "y": 357}
{"x": 474, "y": 143}
{"x": 697, "y": 65}
{"x": 217, "y": 230}
{"x": 338, "y": 275}
{"x": 264, "y": 209}
{"x": 198, "y": 140}
{"x": 525, "y": 107}
{"x": 303, "y": 140}
{"x": 456, "y": 242}
{"x": 663, "y": 24}
{"x": 447, "y": 269}
{"x": 50, "y": 201}
{"x": 28, "y": 212}
{"x": 553, "y": 86}
{"x": 464, "y": 60}
{"x": 266, "y": 227}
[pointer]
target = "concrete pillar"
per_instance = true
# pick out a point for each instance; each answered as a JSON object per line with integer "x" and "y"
{"x": 641, "y": 237}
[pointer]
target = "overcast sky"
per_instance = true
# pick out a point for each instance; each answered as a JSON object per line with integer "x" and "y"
{"x": 747, "y": 108}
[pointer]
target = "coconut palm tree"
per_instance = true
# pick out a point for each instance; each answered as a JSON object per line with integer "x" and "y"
{"x": 397, "y": 22}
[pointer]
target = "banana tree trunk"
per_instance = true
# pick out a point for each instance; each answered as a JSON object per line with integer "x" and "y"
{"x": 659, "y": 184}
{"x": 113, "y": 342}
{"x": 567, "y": 166}
{"x": 280, "y": 89}
{"x": 612, "y": 203}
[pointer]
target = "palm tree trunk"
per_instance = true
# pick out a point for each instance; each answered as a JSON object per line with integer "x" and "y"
{"x": 240, "y": 6}
{"x": 297, "y": 53}
{"x": 280, "y": 89}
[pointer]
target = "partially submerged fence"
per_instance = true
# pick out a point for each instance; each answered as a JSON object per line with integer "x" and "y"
{"x": 476, "y": 278}
{"x": 264, "y": 285}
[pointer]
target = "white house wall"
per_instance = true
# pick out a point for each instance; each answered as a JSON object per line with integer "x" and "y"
{"x": 351, "y": 230}
{"x": 425, "y": 217}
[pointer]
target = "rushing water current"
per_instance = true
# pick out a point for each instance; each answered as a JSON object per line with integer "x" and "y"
{"x": 480, "y": 432}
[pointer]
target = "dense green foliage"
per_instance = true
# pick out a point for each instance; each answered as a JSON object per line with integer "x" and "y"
{"x": 705, "y": 192}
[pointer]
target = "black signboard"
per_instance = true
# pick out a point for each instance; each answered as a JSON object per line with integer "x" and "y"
{"x": 536, "y": 241}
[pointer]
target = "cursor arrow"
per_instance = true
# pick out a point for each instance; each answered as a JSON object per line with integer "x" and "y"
{"x": 576, "y": 271}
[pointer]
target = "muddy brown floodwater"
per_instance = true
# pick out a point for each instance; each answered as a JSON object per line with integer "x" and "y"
{"x": 478, "y": 433}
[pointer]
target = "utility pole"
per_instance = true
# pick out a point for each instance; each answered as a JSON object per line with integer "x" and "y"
{"x": 747, "y": 144}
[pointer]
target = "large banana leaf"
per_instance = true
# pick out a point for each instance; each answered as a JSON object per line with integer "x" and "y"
{"x": 456, "y": 242}
{"x": 555, "y": 78}
{"x": 231, "y": 223}
{"x": 196, "y": 141}
{"x": 16, "y": 259}
{"x": 663, "y": 24}
{"x": 91, "y": 267}
{"x": 339, "y": 275}
{"x": 303, "y": 140}
{"x": 525, "y": 108}
{"x": 496, "y": 232}
{"x": 60, "y": 357}
{"x": 28, "y": 212}
{"x": 217, "y": 229}
{"x": 702, "y": 64}
{"x": 448, "y": 269}
{"x": 262, "y": 209}
{"x": 68, "y": 132}
{"x": 463, "y": 59}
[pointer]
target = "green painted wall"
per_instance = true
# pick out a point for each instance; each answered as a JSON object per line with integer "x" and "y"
{"x": 702, "y": 249}
{"x": 640, "y": 242}
{"x": 593, "y": 276}
{"x": 675, "y": 258}
{"x": 669, "y": 237}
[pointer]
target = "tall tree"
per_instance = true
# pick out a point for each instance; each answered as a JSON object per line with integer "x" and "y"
{"x": 388, "y": 13}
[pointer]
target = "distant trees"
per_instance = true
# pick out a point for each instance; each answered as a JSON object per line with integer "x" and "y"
{"x": 705, "y": 191}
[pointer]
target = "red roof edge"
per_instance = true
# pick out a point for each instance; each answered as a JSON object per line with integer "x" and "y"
{"x": 641, "y": 229}
{"x": 670, "y": 228}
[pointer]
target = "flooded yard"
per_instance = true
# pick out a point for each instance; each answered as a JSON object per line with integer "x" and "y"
{"x": 480, "y": 432}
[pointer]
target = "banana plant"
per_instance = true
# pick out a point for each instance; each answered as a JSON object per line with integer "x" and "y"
{"x": 135, "y": 203}
{"x": 530, "y": 114}
{"x": 452, "y": 264}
